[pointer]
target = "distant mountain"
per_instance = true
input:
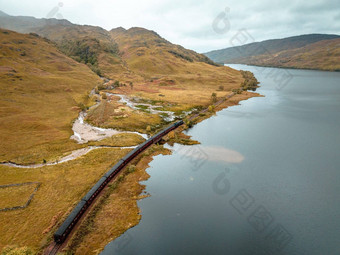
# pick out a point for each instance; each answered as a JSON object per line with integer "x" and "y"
{"x": 25, "y": 24}
{"x": 2, "y": 14}
{"x": 306, "y": 51}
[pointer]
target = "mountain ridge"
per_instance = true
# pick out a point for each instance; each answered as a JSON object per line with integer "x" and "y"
{"x": 103, "y": 56}
{"x": 269, "y": 52}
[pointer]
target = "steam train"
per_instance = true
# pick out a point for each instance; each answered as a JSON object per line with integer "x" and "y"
{"x": 67, "y": 226}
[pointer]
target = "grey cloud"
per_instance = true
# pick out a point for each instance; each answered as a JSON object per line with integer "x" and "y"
{"x": 189, "y": 22}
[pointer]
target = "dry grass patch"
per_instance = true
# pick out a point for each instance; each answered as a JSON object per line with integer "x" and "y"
{"x": 13, "y": 196}
{"x": 109, "y": 115}
{"x": 62, "y": 186}
{"x": 120, "y": 140}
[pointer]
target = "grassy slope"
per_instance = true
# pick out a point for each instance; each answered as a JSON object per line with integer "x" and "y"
{"x": 181, "y": 76}
{"x": 40, "y": 91}
{"x": 168, "y": 74}
{"x": 74, "y": 40}
{"x": 62, "y": 186}
{"x": 314, "y": 51}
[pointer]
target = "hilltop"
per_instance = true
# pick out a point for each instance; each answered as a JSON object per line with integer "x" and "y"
{"x": 85, "y": 44}
{"x": 313, "y": 51}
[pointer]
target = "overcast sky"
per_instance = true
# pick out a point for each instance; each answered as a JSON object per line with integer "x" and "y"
{"x": 201, "y": 25}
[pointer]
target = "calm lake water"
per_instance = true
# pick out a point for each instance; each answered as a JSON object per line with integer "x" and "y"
{"x": 265, "y": 180}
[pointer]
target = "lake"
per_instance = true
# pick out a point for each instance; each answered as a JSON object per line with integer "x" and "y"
{"x": 265, "y": 179}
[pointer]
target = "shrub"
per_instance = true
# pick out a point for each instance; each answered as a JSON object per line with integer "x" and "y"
{"x": 34, "y": 34}
{"x": 101, "y": 87}
{"x": 95, "y": 69}
{"x": 179, "y": 55}
{"x": 82, "y": 106}
{"x": 211, "y": 108}
{"x": 214, "y": 97}
{"x": 250, "y": 82}
{"x": 189, "y": 123}
{"x": 131, "y": 168}
{"x": 13, "y": 250}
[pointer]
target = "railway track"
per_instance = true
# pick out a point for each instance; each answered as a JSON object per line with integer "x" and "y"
{"x": 68, "y": 225}
{"x": 85, "y": 203}
{"x": 52, "y": 249}
{"x": 215, "y": 104}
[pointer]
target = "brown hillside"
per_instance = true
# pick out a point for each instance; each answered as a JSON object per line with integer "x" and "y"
{"x": 167, "y": 68}
{"x": 323, "y": 55}
{"x": 40, "y": 90}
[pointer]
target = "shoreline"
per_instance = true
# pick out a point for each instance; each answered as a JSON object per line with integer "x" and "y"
{"x": 286, "y": 67}
{"x": 132, "y": 192}
{"x": 127, "y": 215}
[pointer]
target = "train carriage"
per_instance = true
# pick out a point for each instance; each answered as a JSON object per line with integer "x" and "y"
{"x": 70, "y": 221}
{"x": 81, "y": 207}
{"x": 95, "y": 190}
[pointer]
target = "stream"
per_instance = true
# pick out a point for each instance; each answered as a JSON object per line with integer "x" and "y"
{"x": 166, "y": 115}
{"x": 84, "y": 132}
{"x": 74, "y": 154}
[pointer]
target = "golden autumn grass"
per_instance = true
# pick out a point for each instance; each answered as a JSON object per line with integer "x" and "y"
{"x": 40, "y": 90}
{"x": 15, "y": 195}
{"x": 62, "y": 186}
{"x": 120, "y": 140}
{"x": 38, "y": 103}
{"x": 114, "y": 115}
{"x": 165, "y": 72}
{"x": 117, "y": 210}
